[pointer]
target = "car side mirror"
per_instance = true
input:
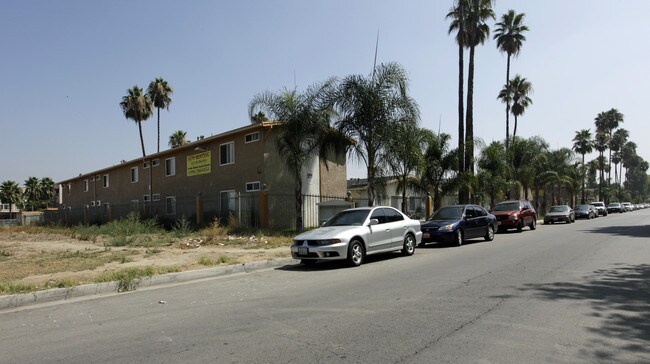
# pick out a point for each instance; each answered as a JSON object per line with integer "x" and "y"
{"x": 373, "y": 222}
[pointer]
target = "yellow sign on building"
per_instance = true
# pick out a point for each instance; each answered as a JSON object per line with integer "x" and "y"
{"x": 200, "y": 163}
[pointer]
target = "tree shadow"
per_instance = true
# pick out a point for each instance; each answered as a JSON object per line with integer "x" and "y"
{"x": 620, "y": 297}
{"x": 637, "y": 231}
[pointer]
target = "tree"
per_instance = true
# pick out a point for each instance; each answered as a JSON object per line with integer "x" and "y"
{"x": 440, "y": 171}
{"x": 137, "y": 107}
{"x": 369, "y": 109}
{"x": 159, "y": 92}
{"x": 177, "y": 139}
{"x": 600, "y": 144}
{"x": 524, "y": 155}
{"x": 562, "y": 170}
{"x": 32, "y": 192}
{"x": 619, "y": 138}
{"x": 606, "y": 122}
{"x": 11, "y": 194}
{"x": 48, "y": 191}
{"x": 510, "y": 38}
{"x": 493, "y": 170}
{"x": 306, "y": 119}
{"x": 583, "y": 144}
{"x": 258, "y": 118}
{"x": 520, "y": 88}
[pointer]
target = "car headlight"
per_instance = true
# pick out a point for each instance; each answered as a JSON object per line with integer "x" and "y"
{"x": 446, "y": 227}
{"x": 513, "y": 217}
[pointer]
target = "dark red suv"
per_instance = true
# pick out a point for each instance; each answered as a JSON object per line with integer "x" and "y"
{"x": 515, "y": 214}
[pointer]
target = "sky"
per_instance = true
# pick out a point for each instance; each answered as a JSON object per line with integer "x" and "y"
{"x": 65, "y": 65}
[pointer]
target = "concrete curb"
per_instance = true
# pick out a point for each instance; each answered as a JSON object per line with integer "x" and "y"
{"x": 62, "y": 294}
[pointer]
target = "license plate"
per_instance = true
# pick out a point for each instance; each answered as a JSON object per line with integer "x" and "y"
{"x": 426, "y": 235}
{"x": 303, "y": 251}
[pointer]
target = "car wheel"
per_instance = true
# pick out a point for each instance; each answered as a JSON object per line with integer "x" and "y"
{"x": 308, "y": 262}
{"x": 409, "y": 245}
{"x": 520, "y": 226}
{"x": 533, "y": 224}
{"x": 459, "y": 237}
{"x": 355, "y": 253}
{"x": 489, "y": 236}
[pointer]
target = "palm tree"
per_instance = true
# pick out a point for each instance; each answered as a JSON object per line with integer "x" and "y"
{"x": 48, "y": 191}
{"x": 520, "y": 88}
{"x": 477, "y": 32}
{"x": 583, "y": 144}
{"x": 510, "y": 38}
{"x": 600, "y": 144}
{"x": 32, "y": 191}
{"x": 440, "y": 171}
{"x": 562, "y": 168}
{"x": 369, "y": 109}
{"x": 606, "y": 122}
{"x": 177, "y": 139}
{"x": 159, "y": 92}
{"x": 137, "y": 107}
{"x": 305, "y": 117}
{"x": 619, "y": 138}
{"x": 458, "y": 14}
{"x": 10, "y": 193}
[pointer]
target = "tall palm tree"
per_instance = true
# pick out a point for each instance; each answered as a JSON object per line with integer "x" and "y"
{"x": 306, "y": 119}
{"x": 583, "y": 144}
{"x": 159, "y": 92}
{"x": 458, "y": 14}
{"x": 440, "y": 171}
{"x": 520, "y": 88}
{"x": 48, "y": 191}
{"x": 478, "y": 32}
{"x": 177, "y": 139}
{"x": 32, "y": 191}
{"x": 11, "y": 194}
{"x": 619, "y": 138}
{"x": 510, "y": 38}
{"x": 137, "y": 107}
{"x": 606, "y": 122}
{"x": 369, "y": 108}
{"x": 601, "y": 142}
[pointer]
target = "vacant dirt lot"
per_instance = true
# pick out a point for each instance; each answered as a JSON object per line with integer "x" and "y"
{"x": 46, "y": 260}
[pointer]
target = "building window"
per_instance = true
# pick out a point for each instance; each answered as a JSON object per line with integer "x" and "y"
{"x": 69, "y": 188}
{"x": 145, "y": 164}
{"x": 228, "y": 203}
{"x": 227, "y": 153}
{"x": 252, "y": 137}
{"x": 85, "y": 185}
{"x": 170, "y": 166}
{"x": 252, "y": 186}
{"x": 105, "y": 180}
{"x": 145, "y": 198}
{"x": 156, "y": 197}
{"x": 170, "y": 205}
{"x": 134, "y": 174}
{"x": 92, "y": 203}
{"x": 155, "y": 162}
{"x": 98, "y": 203}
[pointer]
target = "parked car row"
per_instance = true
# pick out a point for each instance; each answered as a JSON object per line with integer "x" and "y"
{"x": 622, "y": 207}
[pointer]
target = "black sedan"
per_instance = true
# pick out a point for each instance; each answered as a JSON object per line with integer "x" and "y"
{"x": 585, "y": 211}
{"x": 455, "y": 224}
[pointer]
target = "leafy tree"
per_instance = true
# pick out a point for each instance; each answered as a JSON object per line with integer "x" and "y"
{"x": 369, "y": 110}
{"x": 137, "y": 107}
{"x": 177, "y": 139}
{"x": 32, "y": 192}
{"x": 11, "y": 194}
{"x": 440, "y": 171}
{"x": 583, "y": 144}
{"x": 159, "y": 92}
{"x": 562, "y": 171}
{"x": 493, "y": 170}
{"x": 524, "y": 155}
{"x": 306, "y": 117}
{"x": 510, "y": 38}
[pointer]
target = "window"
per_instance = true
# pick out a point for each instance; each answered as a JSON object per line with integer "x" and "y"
{"x": 135, "y": 204}
{"x": 170, "y": 205}
{"x": 92, "y": 203}
{"x": 98, "y": 203}
{"x": 105, "y": 180}
{"x": 69, "y": 188}
{"x": 253, "y": 137}
{"x": 227, "y": 153}
{"x": 145, "y": 164}
{"x": 228, "y": 203}
{"x": 145, "y": 198}
{"x": 155, "y": 162}
{"x": 252, "y": 186}
{"x": 156, "y": 197}
{"x": 134, "y": 174}
{"x": 379, "y": 215}
{"x": 170, "y": 166}
{"x": 392, "y": 215}
{"x": 85, "y": 185}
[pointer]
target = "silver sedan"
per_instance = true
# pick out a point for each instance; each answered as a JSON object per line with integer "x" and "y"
{"x": 355, "y": 233}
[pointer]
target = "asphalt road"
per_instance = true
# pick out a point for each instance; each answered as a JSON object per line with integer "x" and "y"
{"x": 576, "y": 293}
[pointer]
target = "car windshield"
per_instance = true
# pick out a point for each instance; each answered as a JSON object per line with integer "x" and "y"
{"x": 347, "y": 218}
{"x": 448, "y": 213}
{"x": 510, "y": 206}
{"x": 559, "y": 209}
{"x": 582, "y": 207}
{"x": 615, "y": 204}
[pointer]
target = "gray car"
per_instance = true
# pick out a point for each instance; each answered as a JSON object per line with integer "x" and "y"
{"x": 355, "y": 233}
{"x": 560, "y": 213}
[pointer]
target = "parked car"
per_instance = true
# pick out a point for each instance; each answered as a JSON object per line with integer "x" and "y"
{"x": 595, "y": 210}
{"x": 355, "y": 233}
{"x": 455, "y": 224}
{"x": 600, "y": 206}
{"x": 560, "y": 213}
{"x": 585, "y": 211}
{"x": 626, "y": 206}
{"x": 515, "y": 215}
{"x": 615, "y": 207}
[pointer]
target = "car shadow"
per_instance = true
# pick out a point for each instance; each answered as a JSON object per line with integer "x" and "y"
{"x": 339, "y": 264}
{"x": 620, "y": 298}
{"x": 450, "y": 245}
{"x": 638, "y": 231}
